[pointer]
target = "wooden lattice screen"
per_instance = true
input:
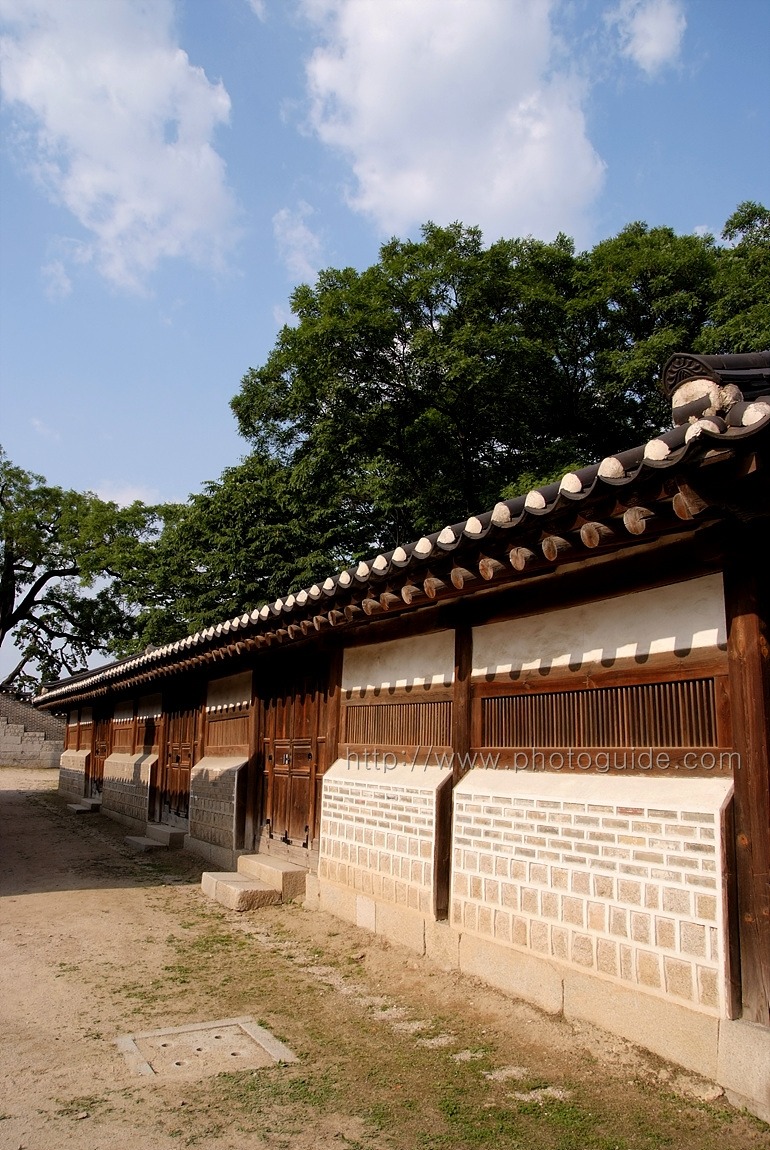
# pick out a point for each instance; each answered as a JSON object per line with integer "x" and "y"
{"x": 402, "y": 724}
{"x": 670, "y": 714}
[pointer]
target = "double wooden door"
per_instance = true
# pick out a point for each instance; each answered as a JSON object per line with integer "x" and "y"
{"x": 295, "y": 751}
{"x": 178, "y": 757}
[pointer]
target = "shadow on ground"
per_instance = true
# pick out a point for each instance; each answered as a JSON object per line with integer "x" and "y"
{"x": 46, "y": 848}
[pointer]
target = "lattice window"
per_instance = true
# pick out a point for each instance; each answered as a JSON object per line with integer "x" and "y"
{"x": 399, "y": 724}
{"x": 673, "y": 714}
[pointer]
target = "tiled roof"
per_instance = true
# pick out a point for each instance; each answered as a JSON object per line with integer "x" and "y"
{"x": 595, "y": 507}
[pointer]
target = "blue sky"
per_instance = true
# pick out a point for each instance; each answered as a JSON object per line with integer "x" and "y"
{"x": 171, "y": 169}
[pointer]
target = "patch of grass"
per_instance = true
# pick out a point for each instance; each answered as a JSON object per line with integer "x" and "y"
{"x": 276, "y": 1087}
{"x": 390, "y": 1090}
{"x": 72, "y": 1107}
{"x": 67, "y": 968}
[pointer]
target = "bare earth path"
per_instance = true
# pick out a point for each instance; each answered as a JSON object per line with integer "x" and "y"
{"x": 96, "y": 942}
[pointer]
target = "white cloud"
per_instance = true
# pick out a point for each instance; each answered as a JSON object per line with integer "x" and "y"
{"x": 453, "y": 110}
{"x": 118, "y": 126}
{"x": 58, "y": 284}
{"x": 299, "y": 246}
{"x": 650, "y": 32}
{"x": 283, "y": 316}
{"x": 258, "y": 8}
{"x": 124, "y": 494}
{"x": 45, "y": 431}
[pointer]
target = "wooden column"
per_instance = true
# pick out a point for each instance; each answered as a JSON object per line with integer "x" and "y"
{"x": 254, "y": 813}
{"x": 461, "y": 701}
{"x": 749, "y": 668}
{"x": 334, "y": 699}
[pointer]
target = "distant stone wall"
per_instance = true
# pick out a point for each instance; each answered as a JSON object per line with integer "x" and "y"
{"x": 22, "y": 748}
{"x": 217, "y": 796}
{"x": 126, "y": 788}
{"x": 27, "y": 738}
{"x": 72, "y": 774}
{"x": 619, "y": 878}
{"x": 17, "y": 711}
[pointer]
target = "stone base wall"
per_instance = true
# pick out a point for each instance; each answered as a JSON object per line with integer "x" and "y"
{"x": 599, "y": 899}
{"x": 126, "y": 788}
{"x": 217, "y": 804}
{"x": 380, "y": 832}
{"x": 72, "y": 774}
{"x": 619, "y": 878}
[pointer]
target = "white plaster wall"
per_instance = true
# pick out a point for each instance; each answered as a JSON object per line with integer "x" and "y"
{"x": 231, "y": 691}
{"x": 150, "y": 706}
{"x": 124, "y": 711}
{"x": 400, "y": 662}
{"x": 678, "y": 617}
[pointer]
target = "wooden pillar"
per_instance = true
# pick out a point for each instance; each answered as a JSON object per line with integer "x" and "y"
{"x": 334, "y": 699}
{"x": 253, "y": 821}
{"x": 461, "y": 701}
{"x": 749, "y": 666}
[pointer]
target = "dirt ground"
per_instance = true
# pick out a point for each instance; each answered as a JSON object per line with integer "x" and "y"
{"x": 96, "y": 942}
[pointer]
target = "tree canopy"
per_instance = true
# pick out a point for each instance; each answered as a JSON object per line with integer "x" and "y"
{"x": 61, "y": 553}
{"x": 412, "y": 393}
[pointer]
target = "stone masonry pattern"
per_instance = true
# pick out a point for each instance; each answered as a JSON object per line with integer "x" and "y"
{"x": 629, "y": 892}
{"x": 20, "y": 747}
{"x": 212, "y": 806}
{"x": 379, "y": 840}
{"x": 126, "y": 785}
{"x": 72, "y": 774}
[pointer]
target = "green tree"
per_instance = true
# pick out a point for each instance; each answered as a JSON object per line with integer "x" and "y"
{"x": 739, "y": 319}
{"x": 414, "y": 392}
{"x": 245, "y": 539}
{"x": 61, "y": 554}
{"x": 653, "y": 290}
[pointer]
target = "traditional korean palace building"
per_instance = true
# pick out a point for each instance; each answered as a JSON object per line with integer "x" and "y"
{"x": 532, "y": 745}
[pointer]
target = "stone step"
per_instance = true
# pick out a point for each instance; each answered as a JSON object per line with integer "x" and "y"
{"x": 286, "y": 877}
{"x": 237, "y": 892}
{"x": 171, "y": 837}
{"x": 142, "y": 843}
{"x": 85, "y": 807}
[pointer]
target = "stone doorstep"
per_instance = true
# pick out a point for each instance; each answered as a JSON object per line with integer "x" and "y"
{"x": 143, "y": 843}
{"x": 171, "y": 837}
{"x": 85, "y": 807}
{"x": 286, "y": 877}
{"x": 156, "y": 837}
{"x": 236, "y": 892}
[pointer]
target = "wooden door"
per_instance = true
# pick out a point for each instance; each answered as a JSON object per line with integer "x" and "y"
{"x": 100, "y": 749}
{"x": 294, "y": 745}
{"x": 178, "y": 761}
